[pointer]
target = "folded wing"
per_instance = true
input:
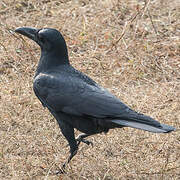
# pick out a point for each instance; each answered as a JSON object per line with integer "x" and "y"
{"x": 74, "y": 96}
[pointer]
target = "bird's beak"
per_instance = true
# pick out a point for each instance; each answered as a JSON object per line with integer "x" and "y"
{"x": 28, "y": 32}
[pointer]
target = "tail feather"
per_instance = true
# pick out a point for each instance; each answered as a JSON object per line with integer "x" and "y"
{"x": 141, "y": 121}
{"x": 163, "y": 128}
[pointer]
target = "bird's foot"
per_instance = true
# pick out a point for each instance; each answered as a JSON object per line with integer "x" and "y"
{"x": 60, "y": 171}
{"x": 84, "y": 141}
{"x": 80, "y": 139}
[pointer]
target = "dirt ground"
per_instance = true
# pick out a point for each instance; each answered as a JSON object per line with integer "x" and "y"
{"x": 130, "y": 47}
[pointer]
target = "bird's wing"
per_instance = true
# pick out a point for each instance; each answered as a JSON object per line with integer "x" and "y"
{"x": 74, "y": 96}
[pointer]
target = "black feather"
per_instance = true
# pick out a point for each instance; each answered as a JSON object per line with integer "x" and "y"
{"x": 74, "y": 99}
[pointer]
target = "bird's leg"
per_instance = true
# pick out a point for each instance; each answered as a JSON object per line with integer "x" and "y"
{"x": 73, "y": 149}
{"x": 62, "y": 169}
{"x": 72, "y": 154}
{"x": 80, "y": 138}
{"x": 68, "y": 132}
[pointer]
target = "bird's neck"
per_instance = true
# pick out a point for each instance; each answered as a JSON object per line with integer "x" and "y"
{"x": 50, "y": 61}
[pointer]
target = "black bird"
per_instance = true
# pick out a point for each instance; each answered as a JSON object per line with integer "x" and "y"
{"x": 74, "y": 99}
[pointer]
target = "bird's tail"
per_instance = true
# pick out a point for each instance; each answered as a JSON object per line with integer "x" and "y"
{"x": 140, "y": 121}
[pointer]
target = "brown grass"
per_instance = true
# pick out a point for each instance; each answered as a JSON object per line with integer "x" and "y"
{"x": 130, "y": 47}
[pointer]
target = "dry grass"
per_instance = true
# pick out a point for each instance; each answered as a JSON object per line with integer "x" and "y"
{"x": 130, "y": 47}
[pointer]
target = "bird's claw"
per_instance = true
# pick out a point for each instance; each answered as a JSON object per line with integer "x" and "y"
{"x": 79, "y": 140}
{"x": 61, "y": 171}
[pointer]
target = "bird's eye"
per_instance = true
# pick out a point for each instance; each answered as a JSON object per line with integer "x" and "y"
{"x": 41, "y": 38}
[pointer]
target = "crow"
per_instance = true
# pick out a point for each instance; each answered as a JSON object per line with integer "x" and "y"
{"x": 74, "y": 99}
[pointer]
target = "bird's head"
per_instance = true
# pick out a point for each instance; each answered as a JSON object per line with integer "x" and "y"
{"x": 47, "y": 38}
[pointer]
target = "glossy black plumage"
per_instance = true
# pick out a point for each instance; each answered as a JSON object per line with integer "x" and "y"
{"x": 75, "y": 100}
